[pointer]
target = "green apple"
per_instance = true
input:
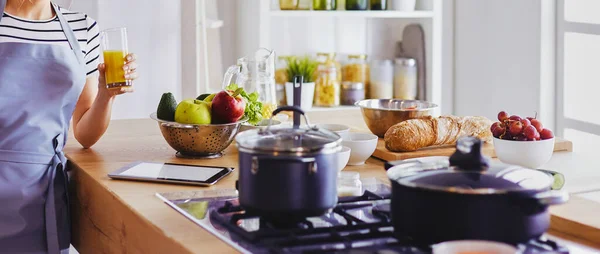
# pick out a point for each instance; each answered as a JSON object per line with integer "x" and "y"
{"x": 193, "y": 112}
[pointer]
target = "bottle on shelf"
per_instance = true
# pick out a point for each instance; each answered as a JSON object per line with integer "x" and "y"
{"x": 379, "y": 5}
{"x": 304, "y": 5}
{"x": 357, "y": 5}
{"x": 341, "y": 5}
{"x": 287, "y": 5}
{"x": 324, "y": 5}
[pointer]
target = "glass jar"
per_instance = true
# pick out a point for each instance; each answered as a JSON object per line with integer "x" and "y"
{"x": 355, "y": 70}
{"x": 327, "y": 85}
{"x": 378, "y": 5}
{"x": 381, "y": 82}
{"x": 357, "y": 5}
{"x": 405, "y": 78}
{"x": 349, "y": 184}
{"x": 281, "y": 77}
{"x": 352, "y": 92}
{"x": 322, "y": 58}
{"x": 304, "y": 5}
{"x": 324, "y": 5}
{"x": 288, "y": 5}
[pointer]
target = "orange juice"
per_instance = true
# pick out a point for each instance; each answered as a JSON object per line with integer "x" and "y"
{"x": 114, "y": 73}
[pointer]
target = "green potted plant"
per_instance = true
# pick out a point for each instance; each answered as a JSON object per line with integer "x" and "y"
{"x": 306, "y": 67}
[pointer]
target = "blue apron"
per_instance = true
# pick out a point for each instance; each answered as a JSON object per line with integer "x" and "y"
{"x": 39, "y": 87}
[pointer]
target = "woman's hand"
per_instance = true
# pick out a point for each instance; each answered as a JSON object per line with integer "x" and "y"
{"x": 130, "y": 69}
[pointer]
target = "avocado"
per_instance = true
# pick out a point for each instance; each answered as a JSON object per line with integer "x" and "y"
{"x": 166, "y": 107}
{"x": 202, "y": 96}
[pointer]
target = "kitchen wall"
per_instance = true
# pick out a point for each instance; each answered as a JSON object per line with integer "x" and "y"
{"x": 504, "y": 58}
{"x": 154, "y": 33}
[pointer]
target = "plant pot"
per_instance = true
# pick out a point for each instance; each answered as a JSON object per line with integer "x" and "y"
{"x": 308, "y": 93}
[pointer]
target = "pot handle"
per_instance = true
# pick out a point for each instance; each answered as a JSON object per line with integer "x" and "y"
{"x": 552, "y": 197}
{"x": 311, "y": 169}
{"x": 287, "y": 108}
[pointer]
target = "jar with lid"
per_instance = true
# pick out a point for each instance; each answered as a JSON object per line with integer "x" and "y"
{"x": 356, "y": 70}
{"x": 281, "y": 77}
{"x": 381, "y": 82}
{"x": 327, "y": 85}
{"x": 324, "y": 5}
{"x": 378, "y": 5}
{"x": 288, "y": 4}
{"x": 405, "y": 78}
{"x": 349, "y": 184}
{"x": 352, "y": 92}
{"x": 357, "y": 5}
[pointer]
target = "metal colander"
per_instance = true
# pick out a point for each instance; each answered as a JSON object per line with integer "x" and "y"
{"x": 198, "y": 140}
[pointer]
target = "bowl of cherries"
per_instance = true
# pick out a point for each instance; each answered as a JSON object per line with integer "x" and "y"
{"x": 522, "y": 141}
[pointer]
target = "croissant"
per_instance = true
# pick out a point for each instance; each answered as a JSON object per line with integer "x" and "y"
{"x": 413, "y": 134}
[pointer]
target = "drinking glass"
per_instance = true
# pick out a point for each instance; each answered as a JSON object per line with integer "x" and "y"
{"x": 114, "y": 45}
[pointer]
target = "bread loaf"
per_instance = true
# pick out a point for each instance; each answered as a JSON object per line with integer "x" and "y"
{"x": 413, "y": 134}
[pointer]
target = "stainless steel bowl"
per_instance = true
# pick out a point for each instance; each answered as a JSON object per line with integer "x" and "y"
{"x": 198, "y": 140}
{"x": 381, "y": 114}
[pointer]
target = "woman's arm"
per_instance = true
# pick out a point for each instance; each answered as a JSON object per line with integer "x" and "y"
{"x": 93, "y": 109}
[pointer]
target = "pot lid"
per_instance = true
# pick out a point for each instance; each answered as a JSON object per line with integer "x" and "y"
{"x": 471, "y": 174}
{"x": 289, "y": 140}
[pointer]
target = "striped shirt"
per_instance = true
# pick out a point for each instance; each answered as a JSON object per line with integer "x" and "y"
{"x": 15, "y": 29}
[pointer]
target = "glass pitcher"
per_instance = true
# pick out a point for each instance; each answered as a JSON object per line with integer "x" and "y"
{"x": 256, "y": 74}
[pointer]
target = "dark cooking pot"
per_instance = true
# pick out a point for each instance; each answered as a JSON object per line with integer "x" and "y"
{"x": 436, "y": 199}
{"x": 288, "y": 173}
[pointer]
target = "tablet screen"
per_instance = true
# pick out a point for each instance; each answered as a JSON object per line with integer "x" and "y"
{"x": 171, "y": 171}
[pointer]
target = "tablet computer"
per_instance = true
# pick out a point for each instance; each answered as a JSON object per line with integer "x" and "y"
{"x": 171, "y": 173}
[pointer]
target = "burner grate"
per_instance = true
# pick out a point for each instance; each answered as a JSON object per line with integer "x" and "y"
{"x": 359, "y": 224}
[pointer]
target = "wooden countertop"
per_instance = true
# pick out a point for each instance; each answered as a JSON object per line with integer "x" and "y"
{"x": 112, "y": 216}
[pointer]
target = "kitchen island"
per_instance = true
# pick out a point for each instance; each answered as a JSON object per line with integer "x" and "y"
{"x": 115, "y": 216}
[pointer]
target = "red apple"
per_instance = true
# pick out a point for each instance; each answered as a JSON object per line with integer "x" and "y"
{"x": 227, "y": 107}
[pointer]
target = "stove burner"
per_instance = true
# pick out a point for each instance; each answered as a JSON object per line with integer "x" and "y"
{"x": 356, "y": 225}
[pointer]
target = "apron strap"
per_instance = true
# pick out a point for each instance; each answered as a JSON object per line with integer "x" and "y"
{"x": 56, "y": 170}
{"x": 2, "y": 6}
{"x": 66, "y": 29}
{"x": 69, "y": 33}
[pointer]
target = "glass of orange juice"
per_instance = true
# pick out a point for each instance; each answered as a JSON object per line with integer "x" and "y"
{"x": 114, "y": 45}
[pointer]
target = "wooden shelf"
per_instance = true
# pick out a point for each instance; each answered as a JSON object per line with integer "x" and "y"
{"x": 363, "y": 14}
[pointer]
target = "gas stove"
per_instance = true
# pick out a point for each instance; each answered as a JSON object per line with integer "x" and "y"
{"x": 359, "y": 224}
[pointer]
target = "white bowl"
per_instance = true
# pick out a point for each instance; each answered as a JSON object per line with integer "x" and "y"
{"x": 529, "y": 154}
{"x": 473, "y": 246}
{"x": 343, "y": 158}
{"x": 261, "y": 125}
{"x": 307, "y": 94}
{"x": 362, "y": 146}
{"x": 337, "y": 128}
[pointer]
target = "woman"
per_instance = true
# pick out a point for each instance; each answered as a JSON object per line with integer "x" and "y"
{"x": 49, "y": 73}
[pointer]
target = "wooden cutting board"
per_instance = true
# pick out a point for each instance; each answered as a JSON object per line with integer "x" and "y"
{"x": 578, "y": 217}
{"x": 488, "y": 149}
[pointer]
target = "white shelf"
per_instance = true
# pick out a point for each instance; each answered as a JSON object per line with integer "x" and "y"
{"x": 363, "y": 14}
